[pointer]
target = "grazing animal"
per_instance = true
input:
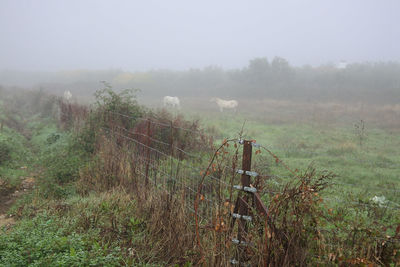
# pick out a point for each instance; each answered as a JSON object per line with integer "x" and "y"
{"x": 227, "y": 104}
{"x": 67, "y": 95}
{"x": 171, "y": 101}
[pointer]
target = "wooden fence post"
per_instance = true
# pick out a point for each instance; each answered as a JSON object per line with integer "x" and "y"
{"x": 147, "y": 152}
{"x": 171, "y": 147}
{"x": 242, "y": 210}
{"x": 243, "y": 202}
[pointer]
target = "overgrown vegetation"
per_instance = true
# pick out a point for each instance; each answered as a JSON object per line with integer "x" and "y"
{"x": 92, "y": 206}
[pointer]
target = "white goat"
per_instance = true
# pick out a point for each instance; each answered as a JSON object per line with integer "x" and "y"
{"x": 227, "y": 104}
{"x": 171, "y": 101}
{"x": 67, "y": 95}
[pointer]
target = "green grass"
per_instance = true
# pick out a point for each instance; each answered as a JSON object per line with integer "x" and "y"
{"x": 100, "y": 229}
{"x": 372, "y": 168}
{"x": 46, "y": 240}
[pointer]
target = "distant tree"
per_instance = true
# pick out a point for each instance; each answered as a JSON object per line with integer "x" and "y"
{"x": 281, "y": 69}
{"x": 259, "y": 67}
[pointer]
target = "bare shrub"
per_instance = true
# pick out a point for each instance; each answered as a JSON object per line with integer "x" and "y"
{"x": 293, "y": 221}
{"x": 72, "y": 115}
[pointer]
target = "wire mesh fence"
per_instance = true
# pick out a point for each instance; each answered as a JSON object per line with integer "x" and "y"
{"x": 185, "y": 163}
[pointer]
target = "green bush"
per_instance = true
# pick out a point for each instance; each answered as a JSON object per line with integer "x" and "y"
{"x": 64, "y": 167}
{"x": 51, "y": 190}
{"x": 85, "y": 140}
{"x": 52, "y": 138}
{"x": 124, "y": 101}
{"x": 62, "y": 160}
{"x": 5, "y": 151}
{"x": 108, "y": 105}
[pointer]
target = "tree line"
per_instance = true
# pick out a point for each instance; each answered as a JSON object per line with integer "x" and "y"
{"x": 377, "y": 82}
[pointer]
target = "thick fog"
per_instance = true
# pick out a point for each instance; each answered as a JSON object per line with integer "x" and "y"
{"x": 50, "y": 35}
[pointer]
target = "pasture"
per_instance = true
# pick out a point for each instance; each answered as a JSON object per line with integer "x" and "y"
{"x": 357, "y": 142}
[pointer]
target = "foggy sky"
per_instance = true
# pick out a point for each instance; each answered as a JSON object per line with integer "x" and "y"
{"x": 179, "y": 34}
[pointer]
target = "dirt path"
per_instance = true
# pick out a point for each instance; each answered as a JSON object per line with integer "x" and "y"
{"x": 8, "y": 198}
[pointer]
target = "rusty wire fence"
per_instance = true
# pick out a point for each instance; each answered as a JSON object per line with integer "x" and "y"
{"x": 223, "y": 184}
{"x": 212, "y": 178}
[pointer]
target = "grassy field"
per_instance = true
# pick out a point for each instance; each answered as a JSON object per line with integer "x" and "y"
{"x": 357, "y": 142}
{"x": 359, "y": 146}
{"x": 84, "y": 209}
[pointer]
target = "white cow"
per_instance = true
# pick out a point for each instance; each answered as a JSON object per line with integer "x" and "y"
{"x": 171, "y": 101}
{"x": 227, "y": 104}
{"x": 67, "y": 95}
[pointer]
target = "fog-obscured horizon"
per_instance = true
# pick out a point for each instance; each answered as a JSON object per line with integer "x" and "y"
{"x": 298, "y": 50}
